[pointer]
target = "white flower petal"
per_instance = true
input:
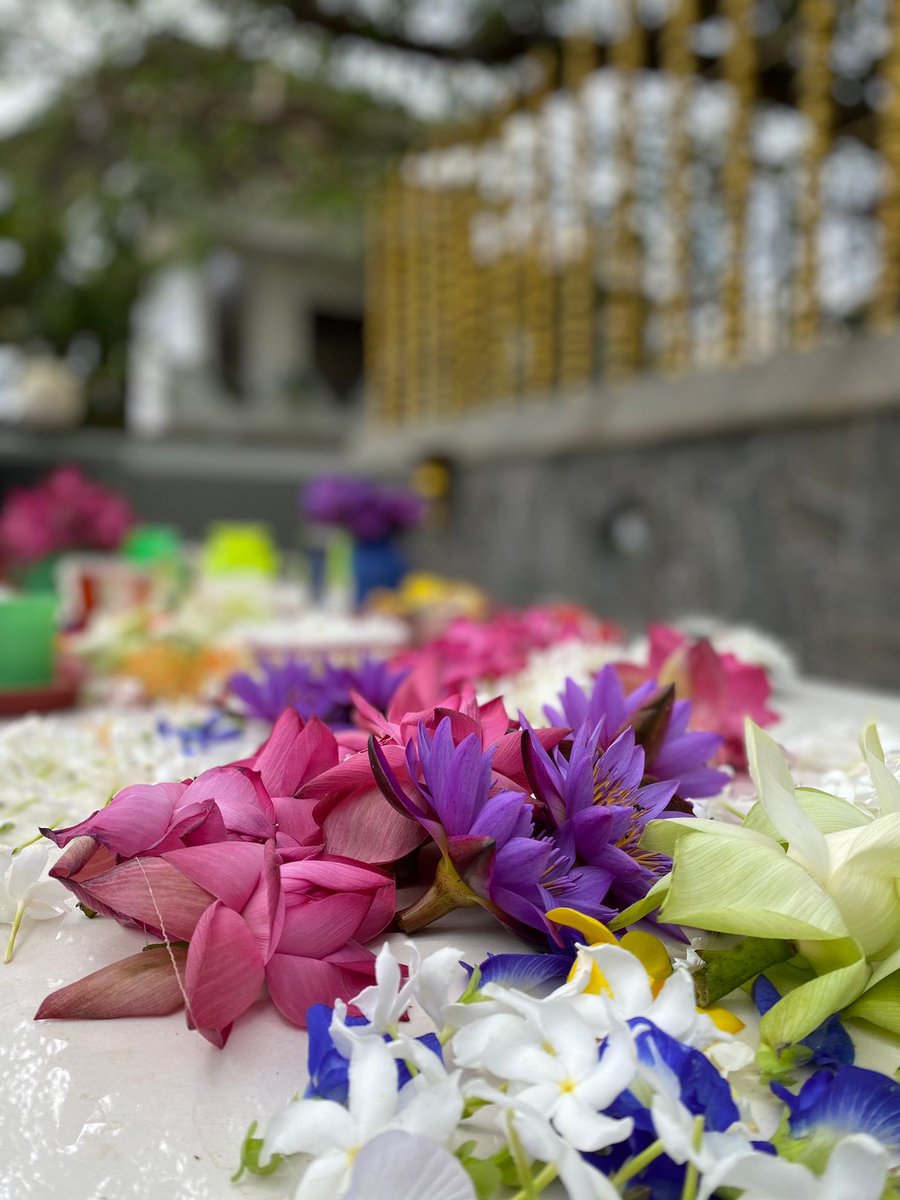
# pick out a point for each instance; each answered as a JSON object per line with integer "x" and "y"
{"x": 858, "y": 1167}
{"x": 440, "y": 979}
{"x": 309, "y": 1127}
{"x": 433, "y": 1110}
{"x": 403, "y": 1166}
{"x": 372, "y": 1095}
{"x": 26, "y": 868}
{"x": 764, "y": 1177}
{"x": 324, "y": 1178}
{"x": 585, "y": 1128}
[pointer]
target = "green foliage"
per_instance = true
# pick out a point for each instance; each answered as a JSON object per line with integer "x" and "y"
{"x": 135, "y": 164}
{"x": 250, "y": 1152}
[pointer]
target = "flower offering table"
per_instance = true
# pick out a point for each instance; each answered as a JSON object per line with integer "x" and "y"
{"x": 145, "y": 1108}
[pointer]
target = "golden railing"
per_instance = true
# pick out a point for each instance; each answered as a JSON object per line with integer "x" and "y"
{"x": 628, "y": 214}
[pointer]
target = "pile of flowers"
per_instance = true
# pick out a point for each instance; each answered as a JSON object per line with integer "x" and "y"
{"x": 488, "y": 650}
{"x": 56, "y": 768}
{"x": 614, "y": 1083}
{"x": 369, "y": 511}
{"x": 609, "y": 1054}
{"x": 326, "y": 691}
{"x": 245, "y": 862}
{"x": 65, "y": 511}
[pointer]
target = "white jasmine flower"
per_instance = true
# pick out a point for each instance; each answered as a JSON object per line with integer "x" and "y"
{"x": 629, "y": 994}
{"x": 857, "y": 1167}
{"x": 407, "y": 1166}
{"x": 542, "y": 1142}
{"x": 384, "y": 1003}
{"x": 427, "y": 1107}
{"x": 25, "y": 891}
{"x": 550, "y": 1050}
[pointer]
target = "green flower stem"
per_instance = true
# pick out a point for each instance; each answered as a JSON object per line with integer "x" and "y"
{"x": 520, "y": 1158}
{"x": 540, "y": 1181}
{"x": 635, "y": 1165}
{"x": 17, "y": 921}
{"x": 692, "y": 1175}
{"x": 448, "y": 892}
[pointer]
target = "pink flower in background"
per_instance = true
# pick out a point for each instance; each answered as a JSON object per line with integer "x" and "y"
{"x": 722, "y": 689}
{"x": 65, "y": 511}
{"x": 469, "y": 651}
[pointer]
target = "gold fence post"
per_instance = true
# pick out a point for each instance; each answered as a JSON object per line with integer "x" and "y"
{"x": 470, "y": 378}
{"x": 883, "y": 314}
{"x": 814, "y": 101}
{"x": 501, "y": 276}
{"x": 679, "y": 62}
{"x": 625, "y": 307}
{"x": 539, "y": 284}
{"x": 576, "y": 299}
{"x": 739, "y": 70}
{"x": 413, "y": 325}
{"x": 376, "y": 382}
{"x": 391, "y": 315}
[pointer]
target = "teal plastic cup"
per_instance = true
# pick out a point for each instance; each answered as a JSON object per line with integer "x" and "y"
{"x": 27, "y": 641}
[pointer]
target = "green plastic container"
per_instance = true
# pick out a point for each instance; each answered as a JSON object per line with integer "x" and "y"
{"x": 149, "y": 545}
{"x": 27, "y": 641}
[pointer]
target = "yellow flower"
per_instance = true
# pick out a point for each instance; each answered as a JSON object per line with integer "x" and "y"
{"x": 649, "y": 950}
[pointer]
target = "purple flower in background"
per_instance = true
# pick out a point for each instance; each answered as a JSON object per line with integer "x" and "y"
{"x": 679, "y": 755}
{"x": 369, "y": 511}
{"x": 326, "y": 692}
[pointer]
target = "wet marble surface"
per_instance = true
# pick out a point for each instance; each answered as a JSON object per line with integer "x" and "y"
{"x": 145, "y": 1109}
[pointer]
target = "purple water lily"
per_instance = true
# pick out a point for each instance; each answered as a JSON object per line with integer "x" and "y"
{"x": 676, "y": 754}
{"x": 594, "y": 804}
{"x": 483, "y": 832}
{"x": 326, "y": 692}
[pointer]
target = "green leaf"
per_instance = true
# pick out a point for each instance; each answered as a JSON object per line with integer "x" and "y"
{"x": 880, "y": 1005}
{"x": 485, "y": 1174}
{"x": 806, "y": 1007}
{"x": 780, "y": 1064}
{"x": 725, "y": 970}
{"x": 829, "y": 813}
{"x": 775, "y": 786}
{"x": 641, "y": 908}
{"x": 748, "y": 888}
{"x": 887, "y": 786}
{"x": 250, "y": 1152}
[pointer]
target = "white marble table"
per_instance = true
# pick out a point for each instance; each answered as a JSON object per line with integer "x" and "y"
{"x": 145, "y": 1109}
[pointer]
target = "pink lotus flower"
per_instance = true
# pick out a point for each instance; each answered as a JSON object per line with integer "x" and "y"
{"x": 249, "y": 917}
{"x": 357, "y": 821}
{"x": 722, "y": 689}
{"x": 229, "y": 862}
{"x": 253, "y": 800}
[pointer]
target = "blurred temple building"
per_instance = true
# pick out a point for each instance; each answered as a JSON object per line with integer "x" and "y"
{"x": 630, "y": 269}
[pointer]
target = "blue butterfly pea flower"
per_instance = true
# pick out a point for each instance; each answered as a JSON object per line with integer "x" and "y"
{"x": 329, "y": 1069}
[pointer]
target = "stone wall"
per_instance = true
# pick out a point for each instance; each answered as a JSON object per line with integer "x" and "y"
{"x": 795, "y": 529}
